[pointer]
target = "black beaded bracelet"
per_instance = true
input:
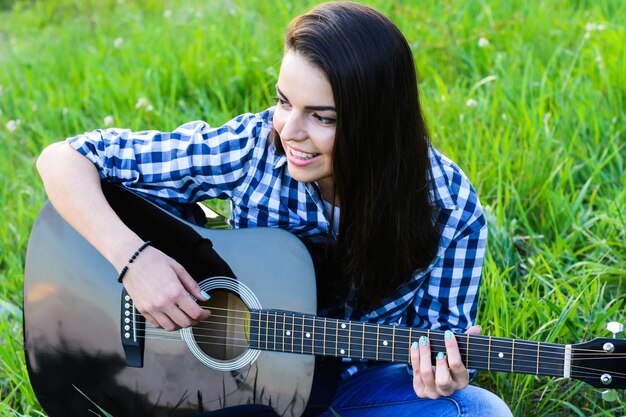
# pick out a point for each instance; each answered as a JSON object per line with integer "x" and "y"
{"x": 132, "y": 259}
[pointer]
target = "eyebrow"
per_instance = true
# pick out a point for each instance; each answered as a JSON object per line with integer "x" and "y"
{"x": 316, "y": 108}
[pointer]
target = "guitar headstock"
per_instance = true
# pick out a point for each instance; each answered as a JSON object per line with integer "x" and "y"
{"x": 602, "y": 361}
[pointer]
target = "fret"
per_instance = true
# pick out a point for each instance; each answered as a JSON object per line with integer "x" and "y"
{"x": 538, "y": 355}
{"x": 268, "y": 338}
{"x": 287, "y": 334}
{"x": 296, "y": 331}
{"x": 402, "y": 344}
{"x": 308, "y": 333}
{"x": 512, "y": 354}
{"x": 343, "y": 339}
{"x": 331, "y": 328}
{"x": 324, "y": 345}
{"x": 384, "y": 348}
{"x": 319, "y": 336}
{"x": 279, "y": 332}
{"x": 526, "y": 358}
{"x": 467, "y": 350}
{"x": 551, "y": 360}
{"x": 363, "y": 342}
{"x": 377, "y": 339}
{"x": 501, "y": 359}
{"x": 275, "y": 325}
{"x": 255, "y": 327}
{"x": 410, "y": 343}
{"x": 349, "y": 337}
{"x": 489, "y": 355}
{"x": 393, "y": 342}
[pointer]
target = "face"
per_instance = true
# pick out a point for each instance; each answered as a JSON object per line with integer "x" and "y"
{"x": 306, "y": 119}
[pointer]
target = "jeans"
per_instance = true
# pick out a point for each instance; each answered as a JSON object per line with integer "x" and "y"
{"x": 387, "y": 390}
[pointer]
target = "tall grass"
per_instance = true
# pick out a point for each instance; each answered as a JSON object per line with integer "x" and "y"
{"x": 534, "y": 113}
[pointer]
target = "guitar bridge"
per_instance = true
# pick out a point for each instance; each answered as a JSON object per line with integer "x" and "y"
{"x": 132, "y": 331}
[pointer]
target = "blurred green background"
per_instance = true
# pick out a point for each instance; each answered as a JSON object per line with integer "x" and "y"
{"x": 528, "y": 97}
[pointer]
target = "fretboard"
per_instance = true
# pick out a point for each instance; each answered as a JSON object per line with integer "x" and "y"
{"x": 307, "y": 334}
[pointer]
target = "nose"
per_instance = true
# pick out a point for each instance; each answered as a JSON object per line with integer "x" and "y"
{"x": 293, "y": 128}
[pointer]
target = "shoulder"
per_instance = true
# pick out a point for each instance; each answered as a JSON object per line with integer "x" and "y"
{"x": 453, "y": 194}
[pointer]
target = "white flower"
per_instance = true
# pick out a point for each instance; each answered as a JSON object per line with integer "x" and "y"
{"x": 167, "y": 13}
{"x": 587, "y": 35}
{"x": 504, "y": 117}
{"x": 142, "y": 102}
{"x": 13, "y": 124}
{"x": 483, "y": 42}
{"x": 601, "y": 26}
{"x": 117, "y": 42}
{"x": 591, "y": 27}
{"x": 149, "y": 107}
{"x": 471, "y": 103}
{"x": 108, "y": 120}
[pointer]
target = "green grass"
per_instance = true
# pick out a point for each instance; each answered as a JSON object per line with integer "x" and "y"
{"x": 544, "y": 145}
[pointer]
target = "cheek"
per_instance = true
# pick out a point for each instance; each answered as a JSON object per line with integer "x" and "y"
{"x": 278, "y": 120}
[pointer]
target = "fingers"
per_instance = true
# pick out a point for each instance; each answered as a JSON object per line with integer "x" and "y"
{"x": 160, "y": 286}
{"x": 455, "y": 363}
{"x": 449, "y": 373}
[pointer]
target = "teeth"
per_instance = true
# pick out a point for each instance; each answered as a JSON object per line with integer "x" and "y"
{"x": 302, "y": 155}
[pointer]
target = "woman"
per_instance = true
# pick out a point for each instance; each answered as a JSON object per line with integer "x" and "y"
{"x": 344, "y": 156}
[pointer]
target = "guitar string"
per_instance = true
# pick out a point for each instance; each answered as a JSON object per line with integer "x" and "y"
{"x": 519, "y": 362}
{"x": 496, "y": 342}
{"x": 435, "y": 344}
{"x": 582, "y": 371}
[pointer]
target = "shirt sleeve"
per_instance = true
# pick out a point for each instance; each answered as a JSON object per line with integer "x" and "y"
{"x": 193, "y": 163}
{"x": 448, "y": 298}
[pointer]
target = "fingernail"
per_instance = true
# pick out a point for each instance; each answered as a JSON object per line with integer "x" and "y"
{"x": 205, "y": 295}
{"x": 423, "y": 341}
{"x": 480, "y": 328}
{"x": 414, "y": 345}
{"x": 440, "y": 356}
{"x": 448, "y": 334}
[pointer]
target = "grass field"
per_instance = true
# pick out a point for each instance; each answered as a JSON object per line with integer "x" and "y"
{"x": 529, "y": 97}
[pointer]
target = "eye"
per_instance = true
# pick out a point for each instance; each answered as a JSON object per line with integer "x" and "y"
{"x": 282, "y": 103}
{"x": 324, "y": 120}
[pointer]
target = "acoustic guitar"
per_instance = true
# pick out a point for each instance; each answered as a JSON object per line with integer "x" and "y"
{"x": 87, "y": 349}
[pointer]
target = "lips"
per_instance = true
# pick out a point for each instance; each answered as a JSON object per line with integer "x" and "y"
{"x": 302, "y": 155}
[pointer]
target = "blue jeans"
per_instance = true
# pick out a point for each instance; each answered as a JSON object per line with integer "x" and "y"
{"x": 387, "y": 390}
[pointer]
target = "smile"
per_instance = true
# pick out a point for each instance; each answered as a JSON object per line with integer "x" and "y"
{"x": 302, "y": 155}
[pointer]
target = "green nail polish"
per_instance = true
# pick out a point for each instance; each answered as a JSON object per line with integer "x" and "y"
{"x": 414, "y": 345}
{"x": 205, "y": 295}
{"x": 440, "y": 356}
{"x": 423, "y": 341}
{"x": 448, "y": 334}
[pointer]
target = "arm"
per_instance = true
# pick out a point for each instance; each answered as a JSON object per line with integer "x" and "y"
{"x": 448, "y": 298}
{"x": 192, "y": 163}
{"x": 158, "y": 284}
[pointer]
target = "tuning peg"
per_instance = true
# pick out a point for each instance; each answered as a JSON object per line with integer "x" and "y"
{"x": 609, "y": 395}
{"x": 615, "y": 328}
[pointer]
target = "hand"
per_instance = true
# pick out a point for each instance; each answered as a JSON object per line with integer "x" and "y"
{"x": 161, "y": 290}
{"x": 448, "y": 376}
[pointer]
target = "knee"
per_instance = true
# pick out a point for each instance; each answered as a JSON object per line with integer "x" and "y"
{"x": 478, "y": 402}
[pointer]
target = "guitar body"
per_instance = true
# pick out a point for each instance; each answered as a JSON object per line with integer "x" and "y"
{"x": 72, "y": 333}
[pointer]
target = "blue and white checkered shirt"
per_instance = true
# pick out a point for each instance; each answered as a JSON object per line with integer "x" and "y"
{"x": 237, "y": 161}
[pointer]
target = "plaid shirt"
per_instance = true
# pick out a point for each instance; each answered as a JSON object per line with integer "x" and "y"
{"x": 237, "y": 161}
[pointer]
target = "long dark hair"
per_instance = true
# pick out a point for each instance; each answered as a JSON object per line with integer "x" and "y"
{"x": 380, "y": 157}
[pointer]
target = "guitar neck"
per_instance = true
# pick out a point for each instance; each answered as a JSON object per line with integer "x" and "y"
{"x": 307, "y": 334}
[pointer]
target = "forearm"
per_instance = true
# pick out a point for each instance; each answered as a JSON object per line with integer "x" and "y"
{"x": 73, "y": 186}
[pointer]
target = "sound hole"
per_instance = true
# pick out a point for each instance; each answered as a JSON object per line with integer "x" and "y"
{"x": 225, "y": 334}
